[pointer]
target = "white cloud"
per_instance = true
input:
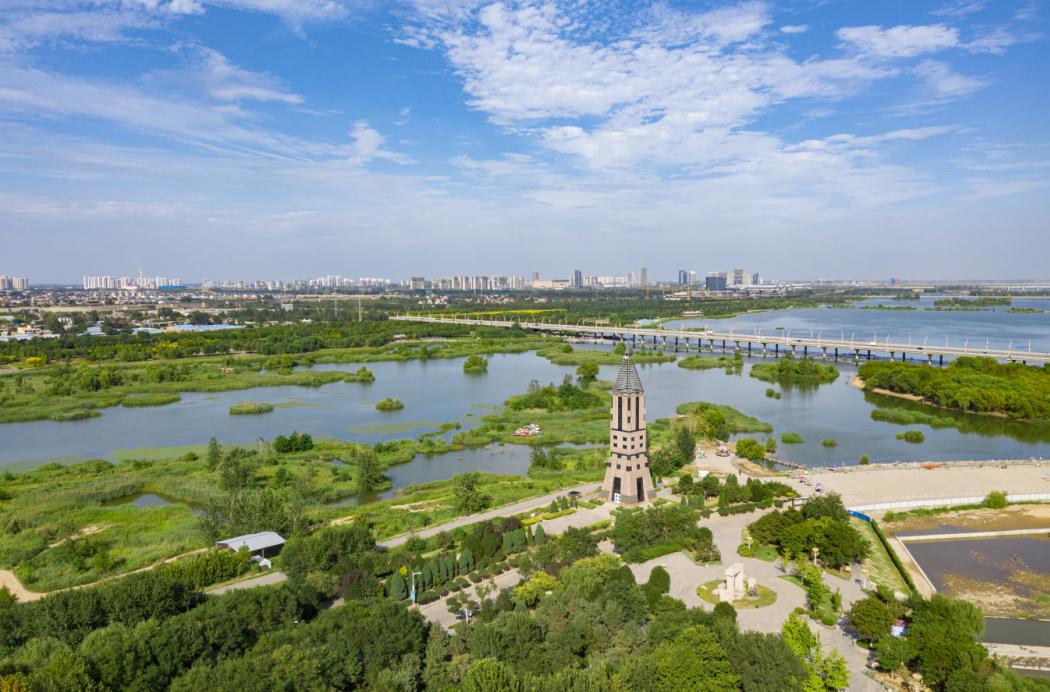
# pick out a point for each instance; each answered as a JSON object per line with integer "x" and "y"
{"x": 899, "y": 41}
{"x": 227, "y": 82}
{"x": 960, "y": 8}
{"x": 794, "y": 28}
{"x": 943, "y": 82}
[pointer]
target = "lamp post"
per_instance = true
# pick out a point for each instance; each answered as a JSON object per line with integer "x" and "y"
{"x": 412, "y": 594}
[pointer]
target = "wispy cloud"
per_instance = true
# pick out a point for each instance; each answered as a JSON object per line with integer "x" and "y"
{"x": 898, "y": 41}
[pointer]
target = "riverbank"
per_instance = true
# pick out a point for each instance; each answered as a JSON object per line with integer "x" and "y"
{"x": 858, "y": 382}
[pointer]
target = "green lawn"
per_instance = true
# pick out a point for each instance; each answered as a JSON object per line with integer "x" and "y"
{"x": 766, "y": 596}
{"x": 881, "y": 569}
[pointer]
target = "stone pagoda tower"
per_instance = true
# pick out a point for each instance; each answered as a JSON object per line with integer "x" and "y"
{"x": 627, "y": 480}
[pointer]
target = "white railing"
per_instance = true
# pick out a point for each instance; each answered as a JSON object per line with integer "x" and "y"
{"x": 948, "y": 502}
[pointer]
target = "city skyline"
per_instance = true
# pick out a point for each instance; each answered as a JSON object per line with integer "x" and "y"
{"x": 305, "y": 138}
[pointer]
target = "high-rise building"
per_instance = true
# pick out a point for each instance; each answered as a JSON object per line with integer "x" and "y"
{"x": 417, "y": 283}
{"x": 577, "y": 279}
{"x": 627, "y": 479}
{"x": 19, "y": 283}
{"x": 716, "y": 281}
{"x": 756, "y": 279}
{"x": 643, "y": 277}
{"x": 738, "y": 277}
{"x": 683, "y": 277}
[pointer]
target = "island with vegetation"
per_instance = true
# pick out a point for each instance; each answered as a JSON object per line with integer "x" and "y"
{"x": 795, "y": 371}
{"x": 475, "y": 365}
{"x": 389, "y": 404}
{"x": 976, "y": 384}
{"x": 250, "y": 408}
{"x": 975, "y": 302}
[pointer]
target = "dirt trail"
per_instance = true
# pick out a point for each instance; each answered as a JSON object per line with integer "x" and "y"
{"x": 9, "y": 581}
{"x": 24, "y": 595}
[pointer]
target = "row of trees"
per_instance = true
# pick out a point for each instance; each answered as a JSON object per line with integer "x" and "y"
{"x": 822, "y": 523}
{"x": 980, "y": 384}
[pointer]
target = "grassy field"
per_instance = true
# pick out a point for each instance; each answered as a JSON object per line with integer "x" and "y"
{"x": 880, "y": 567}
{"x": 766, "y": 596}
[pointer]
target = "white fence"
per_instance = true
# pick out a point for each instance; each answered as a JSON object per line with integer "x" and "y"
{"x": 948, "y": 502}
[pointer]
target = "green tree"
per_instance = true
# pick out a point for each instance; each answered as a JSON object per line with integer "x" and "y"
{"x": 488, "y": 675}
{"x": 695, "y": 660}
{"x": 871, "y": 618}
{"x": 467, "y": 492}
{"x": 540, "y": 536}
{"x": 587, "y": 370}
{"x": 894, "y": 652}
{"x": 944, "y": 633}
{"x": 369, "y": 477}
{"x": 214, "y": 456}
{"x": 397, "y": 587}
{"x": 685, "y": 441}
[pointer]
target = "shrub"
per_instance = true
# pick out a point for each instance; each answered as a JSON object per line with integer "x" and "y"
{"x": 426, "y": 597}
{"x": 913, "y": 436}
{"x": 791, "y": 438}
{"x": 389, "y": 404}
{"x": 996, "y": 500}
{"x": 828, "y": 442}
{"x": 864, "y": 460}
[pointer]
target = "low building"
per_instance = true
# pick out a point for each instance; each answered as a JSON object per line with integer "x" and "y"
{"x": 258, "y": 544}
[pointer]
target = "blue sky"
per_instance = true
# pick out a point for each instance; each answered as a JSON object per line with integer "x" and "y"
{"x": 291, "y": 138}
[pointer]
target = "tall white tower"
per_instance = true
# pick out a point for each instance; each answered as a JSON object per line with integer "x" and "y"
{"x": 627, "y": 480}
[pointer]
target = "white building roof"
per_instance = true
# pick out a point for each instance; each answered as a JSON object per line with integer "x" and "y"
{"x": 253, "y": 541}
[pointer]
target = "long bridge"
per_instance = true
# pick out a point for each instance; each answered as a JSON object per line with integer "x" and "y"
{"x": 760, "y": 344}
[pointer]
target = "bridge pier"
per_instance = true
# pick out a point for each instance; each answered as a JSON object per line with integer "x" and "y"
{"x": 942, "y": 360}
{"x": 749, "y": 348}
{"x": 805, "y": 350}
{"x": 869, "y": 354}
{"x": 776, "y": 350}
{"x": 825, "y": 350}
{"x": 929, "y": 359}
{"x": 723, "y": 345}
{"x": 836, "y": 353}
{"x": 676, "y": 344}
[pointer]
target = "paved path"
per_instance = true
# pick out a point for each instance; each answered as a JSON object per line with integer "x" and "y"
{"x": 437, "y": 612}
{"x": 272, "y": 577}
{"x": 686, "y": 575}
{"x": 877, "y": 483}
{"x": 504, "y": 511}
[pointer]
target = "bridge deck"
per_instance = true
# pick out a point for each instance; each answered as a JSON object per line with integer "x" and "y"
{"x": 787, "y": 343}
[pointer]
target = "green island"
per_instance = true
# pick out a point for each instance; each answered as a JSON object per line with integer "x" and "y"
{"x": 829, "y": 442}
{"x": 704, "y": 363}
{"x": 975, "y": 384}
{"x": 791, "y": 438}
{"x": 475, "y": 365}
{"x": 912, "y": 436}
{"x": 389, "y": 404}
{"x": 144, "y": 400}
{"x": 565, "y": 354}
{"x": 1026, "y": 311}
{"x": 250, "y": 408}
{"x": 795, "y": 371}
{"x": 976, "y": 302}
{"x": 732, "y": 366}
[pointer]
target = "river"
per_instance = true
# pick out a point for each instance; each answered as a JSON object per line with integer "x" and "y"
{"x": 437, "y": 391}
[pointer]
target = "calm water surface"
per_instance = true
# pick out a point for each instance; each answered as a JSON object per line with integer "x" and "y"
{"x": 438, "y": 391}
